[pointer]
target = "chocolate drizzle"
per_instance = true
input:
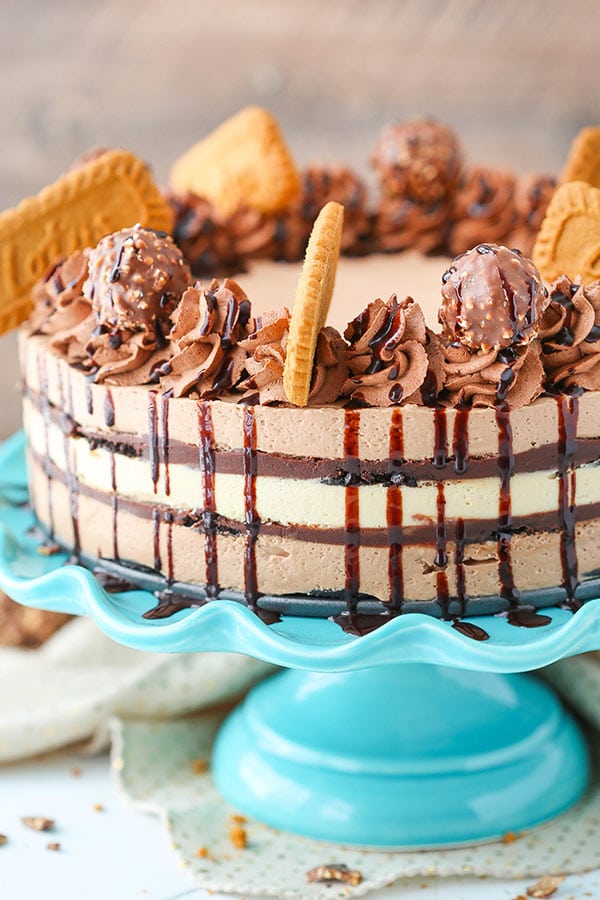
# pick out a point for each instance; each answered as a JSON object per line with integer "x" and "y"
{"x": 153, "y": 438}
{"x": 440, "y": 446}
{"x": 206, "y": 447}
{"x": 156, "y": 518}
{"x": 568, "y": 410}
{"x": 506, "y": 464}
{"x": 527, "y": 617}
{"x": 470, "y": 630}
{"x": 250, "y": 512}
{"x": 115, "y": 505}
{"x": 460, "y": 536}
{"x": 89, "y": 400}
{"x": 169, "y": 517}
{"x": 164, "y": 439}
{"x": 70, "y": 459}
{"x": 45, "y": 410}
{"x": 109, "y": 409}
{"x": 460, "y": 441}
{"x": 394, "y": 514}
{"x": 441, "y": 556}
{"x": 352, "y": 517}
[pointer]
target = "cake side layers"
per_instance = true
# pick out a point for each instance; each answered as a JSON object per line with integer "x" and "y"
{"x": 154, "y": 538}
{"x": 130, "y": 410}
{"x": 444, "y": 541}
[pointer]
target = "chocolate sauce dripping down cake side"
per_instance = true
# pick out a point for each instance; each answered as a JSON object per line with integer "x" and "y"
{"x": 114, "y": 504}
{"x": 156, "y": 539}
{"x": 394, "y": 514}
{"x": 506, "y": 464}
{"x": 440, "y": 460}
{"x": 153, "y": 439}
{"x": 352, "y": 507}
{"x": 109, "y": 409}
{"x": 45, "y": 410}
{"x": 66, "y": 425}
{"x": 522, "y": 617}
{"x": 164, "y": 438}
{"x": 207, "y": 465}
{"x": 460, "y": 449}
{"x": 89, "y": 400}
{"x": 251, "y": 515}
{"x": 568, "y": 410}
{"x": 168, "y": 518}
{"x": 350, "y": 620}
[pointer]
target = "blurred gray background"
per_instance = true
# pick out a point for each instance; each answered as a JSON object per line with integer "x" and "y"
{"x": 517, "y": 78}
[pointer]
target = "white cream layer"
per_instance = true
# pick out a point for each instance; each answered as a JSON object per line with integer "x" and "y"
{"x": 302, "y": 502}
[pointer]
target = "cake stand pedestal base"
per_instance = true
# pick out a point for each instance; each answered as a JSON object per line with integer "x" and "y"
{"x": 398, "y": 756}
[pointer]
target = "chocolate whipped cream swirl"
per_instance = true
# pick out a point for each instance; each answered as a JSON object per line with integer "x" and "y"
{"x": 319, "y": 185}
{"x": 202, "y": 235}
{"x": 531, "y": 198}
{"x": 387, "y": 358}
{"x": 109, "y": 307}
{"x": 58, "y": 299}
{"x": 402, "y": 224}
{"x": 513, "y": 378}
{"x": 62, "y": 311}
{"x": 208, "y": 325}
{"x": 482, "y": 209}
{"x": 570, "y": 335}
{"x": 266, "y": 349}
{"x": 136, "y": 278}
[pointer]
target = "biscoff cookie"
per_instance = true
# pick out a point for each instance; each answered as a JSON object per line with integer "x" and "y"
{"x": 106, "y": 194}
{"x": 245, "y": 162}
{"x": 583, "y": 161}
{"x": 568, "y": 242}
{"x": 311, "y": 304}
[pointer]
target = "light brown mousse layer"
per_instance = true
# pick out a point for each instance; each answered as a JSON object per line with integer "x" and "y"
{"x": 317, "y": 433}
{"x": 433, "y": 557}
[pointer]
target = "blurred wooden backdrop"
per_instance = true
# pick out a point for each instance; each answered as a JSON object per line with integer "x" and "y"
{"x": 516, "y": 77}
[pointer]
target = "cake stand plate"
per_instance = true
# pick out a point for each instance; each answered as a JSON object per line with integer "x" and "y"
{"x": 394, "y": 744}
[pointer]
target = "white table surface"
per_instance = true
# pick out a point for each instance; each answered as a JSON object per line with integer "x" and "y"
{"x": 118, "y": 854}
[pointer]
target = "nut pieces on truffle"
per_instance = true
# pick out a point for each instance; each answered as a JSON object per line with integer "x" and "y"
{"x": 492, "y": 298}
{"x": 136, "y": 278}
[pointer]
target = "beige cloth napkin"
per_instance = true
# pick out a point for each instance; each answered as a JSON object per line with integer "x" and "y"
{"x": 67, "y": 690}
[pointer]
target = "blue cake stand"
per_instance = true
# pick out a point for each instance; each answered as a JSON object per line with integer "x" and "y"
{"x": 414, "y": 735}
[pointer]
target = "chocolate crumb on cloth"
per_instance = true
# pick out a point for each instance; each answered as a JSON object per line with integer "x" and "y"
{"x": 545, "y": 887}
{"x": 38, "y": 823}
{"x": 334, "y": 872}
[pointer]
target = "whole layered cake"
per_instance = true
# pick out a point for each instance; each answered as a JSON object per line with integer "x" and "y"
{"x": 439, "y": 460}
{"x": 450, "y": 473}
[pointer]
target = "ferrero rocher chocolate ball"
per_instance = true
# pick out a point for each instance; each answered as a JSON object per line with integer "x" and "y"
{"x": 419, "y": 160}
{"x": 136, "y": 278}
{"x": 492, "y": 298}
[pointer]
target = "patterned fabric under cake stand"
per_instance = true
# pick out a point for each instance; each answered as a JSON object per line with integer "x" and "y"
{"x": 66, "y": 690}
{"x": 160, "y": 768}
